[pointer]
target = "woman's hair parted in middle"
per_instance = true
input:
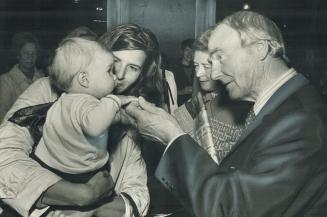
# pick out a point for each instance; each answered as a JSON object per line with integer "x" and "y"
{"x": 134, "y": 37}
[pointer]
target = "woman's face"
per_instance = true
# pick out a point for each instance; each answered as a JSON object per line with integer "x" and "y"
{"x": 128, "y": 67}
{"x": 203, "y": 71}
{"x": 27, "y": 56}
{"x": 188, "y": 54}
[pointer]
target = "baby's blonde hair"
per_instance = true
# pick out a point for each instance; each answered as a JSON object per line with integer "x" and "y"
{"x": 72, "y": 56}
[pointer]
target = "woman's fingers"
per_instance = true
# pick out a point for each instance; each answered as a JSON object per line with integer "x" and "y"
{"x": 57, "y": 213}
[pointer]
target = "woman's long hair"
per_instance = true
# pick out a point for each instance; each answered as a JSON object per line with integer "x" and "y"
{"x": 149, "y": 83}
{"x": 134, "y": 37}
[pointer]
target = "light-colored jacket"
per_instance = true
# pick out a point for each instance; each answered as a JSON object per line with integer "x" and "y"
{"x": 22, "y": 180}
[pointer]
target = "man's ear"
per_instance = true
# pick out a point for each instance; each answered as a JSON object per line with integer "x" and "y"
{"x": 83, "y": 79}
{"x": 262, "y": 49}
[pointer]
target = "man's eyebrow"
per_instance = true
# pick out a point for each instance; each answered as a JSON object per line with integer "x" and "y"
{"x": 115, "y": 57}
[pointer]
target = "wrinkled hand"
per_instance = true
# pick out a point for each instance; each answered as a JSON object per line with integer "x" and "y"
{"x": 102, "y": 184}
{"x": 153, "y": 122}
{"x": 122, "y": 117}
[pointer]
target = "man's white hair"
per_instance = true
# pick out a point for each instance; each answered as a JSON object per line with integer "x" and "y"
{"x": 252, "y": 27}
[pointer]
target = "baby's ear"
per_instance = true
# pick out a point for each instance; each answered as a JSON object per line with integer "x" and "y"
{"x": 82, "y": 79}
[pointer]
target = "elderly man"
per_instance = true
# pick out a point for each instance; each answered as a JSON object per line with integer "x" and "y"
{"x": 278, "y": 166}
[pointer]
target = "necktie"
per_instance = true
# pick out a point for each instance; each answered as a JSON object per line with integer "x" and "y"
{"x": 249, "y": 118}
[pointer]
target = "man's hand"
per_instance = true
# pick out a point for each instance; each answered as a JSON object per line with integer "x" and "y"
{"x": 123, "y": 118}
{"x": 153, "y": 122}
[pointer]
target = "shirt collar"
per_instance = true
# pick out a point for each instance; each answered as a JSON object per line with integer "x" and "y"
{"x": 268, "y": 92}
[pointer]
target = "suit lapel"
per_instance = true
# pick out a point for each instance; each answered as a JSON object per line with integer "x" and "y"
{"x": 289, "y": 88}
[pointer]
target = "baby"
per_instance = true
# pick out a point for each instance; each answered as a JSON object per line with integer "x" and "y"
{"x": 74, "y": 142}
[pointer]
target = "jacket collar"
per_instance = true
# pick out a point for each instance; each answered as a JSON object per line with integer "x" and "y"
{"x": 289, "y": 88}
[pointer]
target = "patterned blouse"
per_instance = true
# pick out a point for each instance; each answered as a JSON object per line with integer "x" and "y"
{"x": 216, "y": 126}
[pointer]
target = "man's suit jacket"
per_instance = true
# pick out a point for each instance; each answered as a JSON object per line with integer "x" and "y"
{"x": 277, "y": 168}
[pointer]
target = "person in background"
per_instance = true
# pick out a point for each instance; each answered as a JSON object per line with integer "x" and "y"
{"x": 210, "y": 117}
{"x": 184, "y": 72}
{"x": 25, "y": 46}
{"x": 278, "y": 166}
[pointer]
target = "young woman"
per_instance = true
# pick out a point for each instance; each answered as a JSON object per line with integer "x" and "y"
{"x": 138, "y": 61}
{"x": 138, "y": 74}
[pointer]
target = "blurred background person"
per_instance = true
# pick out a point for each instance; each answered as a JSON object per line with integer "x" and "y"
{"x": 25, "y": 47}
{"x": 184, "y": 72}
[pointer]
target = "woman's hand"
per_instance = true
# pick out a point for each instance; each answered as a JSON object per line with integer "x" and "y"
{"x": 101, "y": 184}
{"x": 65, "y": 193}
{"x": 70, "y": 213}
{"x": 114, "y": 208}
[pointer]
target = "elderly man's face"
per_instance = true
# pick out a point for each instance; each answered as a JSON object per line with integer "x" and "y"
{"x": 235, "y": 64}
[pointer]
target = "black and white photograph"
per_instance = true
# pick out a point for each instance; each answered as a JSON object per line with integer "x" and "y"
{"x": 163, "y": 108}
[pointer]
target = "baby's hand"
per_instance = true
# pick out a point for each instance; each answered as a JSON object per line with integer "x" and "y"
{"x": 125, "y": 100}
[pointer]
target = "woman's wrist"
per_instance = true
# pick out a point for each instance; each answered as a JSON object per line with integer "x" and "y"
{"x": 116, "y": 207}
{"x": 64, "y": 193}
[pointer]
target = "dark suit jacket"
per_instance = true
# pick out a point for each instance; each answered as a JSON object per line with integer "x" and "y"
{"x": 278, "y": 167}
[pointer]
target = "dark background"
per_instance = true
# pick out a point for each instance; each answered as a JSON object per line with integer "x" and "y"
{"x": 50, "y": 20}
{"x": 303, "y": 23}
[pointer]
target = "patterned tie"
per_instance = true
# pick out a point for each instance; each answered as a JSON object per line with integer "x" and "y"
{"x": 249, "y": 118}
